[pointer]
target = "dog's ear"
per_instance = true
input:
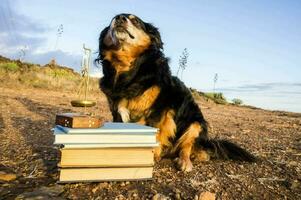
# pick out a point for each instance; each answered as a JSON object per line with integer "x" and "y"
{"x": 154, "y": 33}
{"x": 101, "y": 45}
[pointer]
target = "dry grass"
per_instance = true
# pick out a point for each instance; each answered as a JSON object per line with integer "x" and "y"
{"x": 16, "y": 74}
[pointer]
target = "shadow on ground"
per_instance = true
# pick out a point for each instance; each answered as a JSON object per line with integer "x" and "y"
{"x": 39, "y": 168}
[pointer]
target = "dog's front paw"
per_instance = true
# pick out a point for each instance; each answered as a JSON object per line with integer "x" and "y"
{"x": 125, "y": 114}
{"x": 183, "y": 164}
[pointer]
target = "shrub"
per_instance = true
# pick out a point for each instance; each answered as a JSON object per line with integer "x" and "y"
{"x": 237, "y": 101}
{"x": 60, "y": 73}
{"x": 46, "y": 77}
{"x": 9, "y": 66}
{"x": 216, "y": 97}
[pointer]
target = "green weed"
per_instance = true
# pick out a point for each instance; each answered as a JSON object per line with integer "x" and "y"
{"x": 9, "y": 66}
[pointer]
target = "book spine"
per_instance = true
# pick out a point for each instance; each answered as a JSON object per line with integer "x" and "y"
{"x": 108, "y": 145}
{"x": 98, "y": 139}
{"x": 107, "y": 157}
{"x": 105, "y": 174}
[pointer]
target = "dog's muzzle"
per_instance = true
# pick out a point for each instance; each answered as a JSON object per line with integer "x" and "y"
{"x": 120, "y": 21}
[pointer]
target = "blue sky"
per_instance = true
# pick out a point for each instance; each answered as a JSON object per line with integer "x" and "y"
{"x": 254, "y": 46}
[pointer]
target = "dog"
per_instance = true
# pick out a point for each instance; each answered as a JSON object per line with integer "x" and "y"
{"x": 140, "y": 88}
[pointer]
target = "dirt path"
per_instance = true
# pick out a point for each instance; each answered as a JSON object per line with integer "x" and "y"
{"x": 26, "y": 150}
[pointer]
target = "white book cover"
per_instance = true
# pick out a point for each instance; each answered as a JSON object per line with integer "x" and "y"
{"x": 108, "y": 145}
{"x": 110, "y": 127}
{"x": 103, "y": 138}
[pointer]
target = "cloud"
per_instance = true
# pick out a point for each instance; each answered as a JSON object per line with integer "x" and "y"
{"x": 283, "y": 87}
{"x": 17, "y": 30}
{"x": 61, "y": 57}
{"x": 13, "y": 19}
{"x": 9, "y": 43}
{"x": 261, "y": 86}
{"x": 64, "y": 59}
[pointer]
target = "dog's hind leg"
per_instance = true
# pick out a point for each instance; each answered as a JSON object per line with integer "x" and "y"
{"x": 184, "y": 146}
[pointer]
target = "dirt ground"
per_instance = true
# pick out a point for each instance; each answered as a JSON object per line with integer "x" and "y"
{"x": 28, "y": 158}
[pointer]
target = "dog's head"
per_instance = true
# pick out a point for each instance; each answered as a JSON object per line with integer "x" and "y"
{"x": 126, "y": 38}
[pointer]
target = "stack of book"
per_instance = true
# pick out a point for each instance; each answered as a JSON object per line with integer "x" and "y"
{"x": 115, "y": 151}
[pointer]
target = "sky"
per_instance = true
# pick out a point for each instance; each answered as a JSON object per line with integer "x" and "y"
{"x": 253, "y": 45}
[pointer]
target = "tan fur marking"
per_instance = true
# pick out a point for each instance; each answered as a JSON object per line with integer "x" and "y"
{"x": 138, "y": 106}
{"x": 131, "y": 17}
{"x": 123, "y": 103}
{"x": 120, "y": 60}
{"x": 187, "y": 139}
{"x": 123, "y": 58}
{"x": 167, "y": 128}
{"x": 185, "y": 145}
{"x": 144, "y": 101}
{"x": 157, "y": 153}
{"x": 141, "y": 121}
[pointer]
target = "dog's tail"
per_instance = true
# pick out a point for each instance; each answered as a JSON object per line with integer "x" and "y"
{"x": 224, "y": 149}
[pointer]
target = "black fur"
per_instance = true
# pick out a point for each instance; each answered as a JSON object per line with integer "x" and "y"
{"x": 151, "y": 68}
{"x": 223, "y": 149}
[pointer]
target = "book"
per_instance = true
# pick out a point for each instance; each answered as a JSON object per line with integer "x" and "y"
{"x": 116, "y": 138}
{"x": 110, "y": 133}
{"x": 105, "y": 174}
{"x": 111, "y": 127}
{"x": 108, "y": 145}
{"x": 77, "y": 120}
{"x": 107, "y": 157}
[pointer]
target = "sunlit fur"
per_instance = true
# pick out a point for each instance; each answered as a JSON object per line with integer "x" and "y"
{"x": 124, "y": 49}
{"x": 140, "y": 88}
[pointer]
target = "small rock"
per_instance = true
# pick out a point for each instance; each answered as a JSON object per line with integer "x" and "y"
{"x": 210, "y": 175}
{"x": 54, "y": 190}
{"x": 293, "y": 163}
{"x": 169, "y": 180}
{"x": 160, "y": 197}
{"x": 295, "y": 185}
{"x": 103, "y": 185}
{"x": 35, "y": 155}
{"x": 178, "y": 193}
{"x": 94, "y": 190}
{"x": 120, "y": 197}
{"x": 43, "y": 193}
{"x": 127, "y": 182}
{"x": 177, "y": 190}
{"x": 206, "y": 196}
{"x": 178, "y": 196}
{"x": 7, "y": 176}
{"x": 122, "y": 184}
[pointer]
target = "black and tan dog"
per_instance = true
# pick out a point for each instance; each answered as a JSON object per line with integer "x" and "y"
{"x": 140, "y": 88}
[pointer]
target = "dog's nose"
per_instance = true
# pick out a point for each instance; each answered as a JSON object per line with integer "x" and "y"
{"x": 120, "y": 19}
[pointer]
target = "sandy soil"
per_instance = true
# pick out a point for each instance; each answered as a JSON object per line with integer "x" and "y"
{"x": 28, "y": 158}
